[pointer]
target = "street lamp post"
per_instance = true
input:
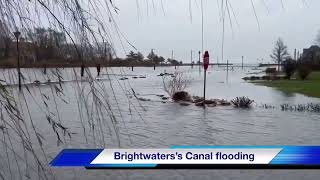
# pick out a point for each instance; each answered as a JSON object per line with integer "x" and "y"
{"x": 242, "y": 63}
{"x": 199, "y": 62}
{"x": 17, "y": 35}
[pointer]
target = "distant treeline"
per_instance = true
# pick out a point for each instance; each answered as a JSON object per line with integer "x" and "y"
{"x": 48, "y": 47}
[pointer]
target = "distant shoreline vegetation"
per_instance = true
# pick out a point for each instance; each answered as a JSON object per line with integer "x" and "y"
{"x": 43, "y": 47}
{"x": 297, "y": 74}
{"x": 114, "y": 63}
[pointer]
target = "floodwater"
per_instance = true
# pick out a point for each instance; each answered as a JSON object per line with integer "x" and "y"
{"x": 156, "y": 123}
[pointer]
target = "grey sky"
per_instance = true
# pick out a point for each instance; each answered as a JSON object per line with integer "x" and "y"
{"x": 151, "y": 28}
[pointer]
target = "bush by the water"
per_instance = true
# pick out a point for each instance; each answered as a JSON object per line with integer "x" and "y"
{"x": 289, "y": 67}
{"x": 242, "y": 102}
{"x": 176, "y": 83}
{"x": 181, "y": 96}
{"x": 304, "y": 71}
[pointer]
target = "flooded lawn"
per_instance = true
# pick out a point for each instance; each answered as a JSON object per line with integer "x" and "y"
{"x": 106, "y": 114}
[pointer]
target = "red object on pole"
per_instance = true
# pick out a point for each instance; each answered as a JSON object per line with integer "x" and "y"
{"x": 206, "y": 60}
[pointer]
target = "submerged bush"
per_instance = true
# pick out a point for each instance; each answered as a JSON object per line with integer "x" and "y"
{"x": 181, "y": 96}
{"x": 242, "y": 102}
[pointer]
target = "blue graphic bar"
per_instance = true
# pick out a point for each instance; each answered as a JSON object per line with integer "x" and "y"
{"x": 75, "y": 157}
{"x": 297, "y": 156}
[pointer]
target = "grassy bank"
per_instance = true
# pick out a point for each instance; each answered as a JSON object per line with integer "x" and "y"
{"x": 309, "y": 87}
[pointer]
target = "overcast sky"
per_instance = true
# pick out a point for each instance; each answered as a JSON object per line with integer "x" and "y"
{"x": 148, "y": 27}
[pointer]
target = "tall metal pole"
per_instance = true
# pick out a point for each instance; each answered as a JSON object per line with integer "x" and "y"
{"x": 191, "y": 60}
{"x": 205, "y": 67}
{"x": 204, "y": 88}
{"x": 242, "y": 62}
{"x": 227, "y": 70}
{"x": 19, "y": 73}
{"x": 154, "y": 63}
{"x": 17, "y": 34}
{"x": 218, "y": 61}
{"x": 199, "y": 62}
{"x": 202, "y": 24}
{"x": 172, "y": 55}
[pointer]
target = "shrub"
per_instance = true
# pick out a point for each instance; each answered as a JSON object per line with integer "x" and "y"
{"x": 181, "y": 96}
{"x": 242, "y": 102}
{"x": 304, "y": 71}
{"x": 289, "y": 67}
{"x": 176, "y": 83}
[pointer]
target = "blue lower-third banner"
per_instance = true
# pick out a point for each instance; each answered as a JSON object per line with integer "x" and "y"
{"x": 193, "y": 157}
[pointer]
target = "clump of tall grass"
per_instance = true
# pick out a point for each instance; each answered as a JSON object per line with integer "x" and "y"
{"x": 242, "y": 102}
{"x": 311, "y": 107}
{"x": 267, "y": 106}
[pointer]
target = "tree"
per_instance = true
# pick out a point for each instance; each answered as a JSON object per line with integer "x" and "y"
{"x": 139, "y": 56}
{"x": 280, "y": 52}
{"x": 48, "y": 43}
{"x": 132, "y": 56}
{"x": 152, "y": 56}
{"x": 155, "y": 58}
{"x": 289, "y": 67}
{"x": 173, "y": 62}
{"x": 161, "y": 60}
{"x": 5, "y": 40}
{"x": 105, "y": 51}
{"x": 304, "y": 70}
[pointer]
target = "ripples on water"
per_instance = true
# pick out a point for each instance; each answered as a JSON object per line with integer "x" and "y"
{"x": 153, "y": 124}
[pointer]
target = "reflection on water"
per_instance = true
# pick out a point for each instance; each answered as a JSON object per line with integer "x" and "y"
{"x": 154, "y": 124}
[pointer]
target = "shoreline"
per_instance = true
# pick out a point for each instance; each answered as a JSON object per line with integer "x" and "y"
{"x": 309, "y": 87}
{"x": 78, "y": 65}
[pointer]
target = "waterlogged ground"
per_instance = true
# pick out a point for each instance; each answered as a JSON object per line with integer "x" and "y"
{"x": 155, "y": 124}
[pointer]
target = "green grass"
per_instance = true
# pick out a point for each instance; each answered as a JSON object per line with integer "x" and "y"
{"x": 309, "y": 87}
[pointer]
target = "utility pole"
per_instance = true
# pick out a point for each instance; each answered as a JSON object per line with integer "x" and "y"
{"x": 17, "y": 35}
{"x": 242, "y": 62}
{"x": 175, "y": 66}
{"x": 205, "y": 66}
{"x": 218, "y": 61}
{"x": 191, "y": 60}
{"x": 227, "y": 70}
{"x": 199, "y": 62}
{"x": 172, "y": 55}
{"x": 154, "y": 63}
